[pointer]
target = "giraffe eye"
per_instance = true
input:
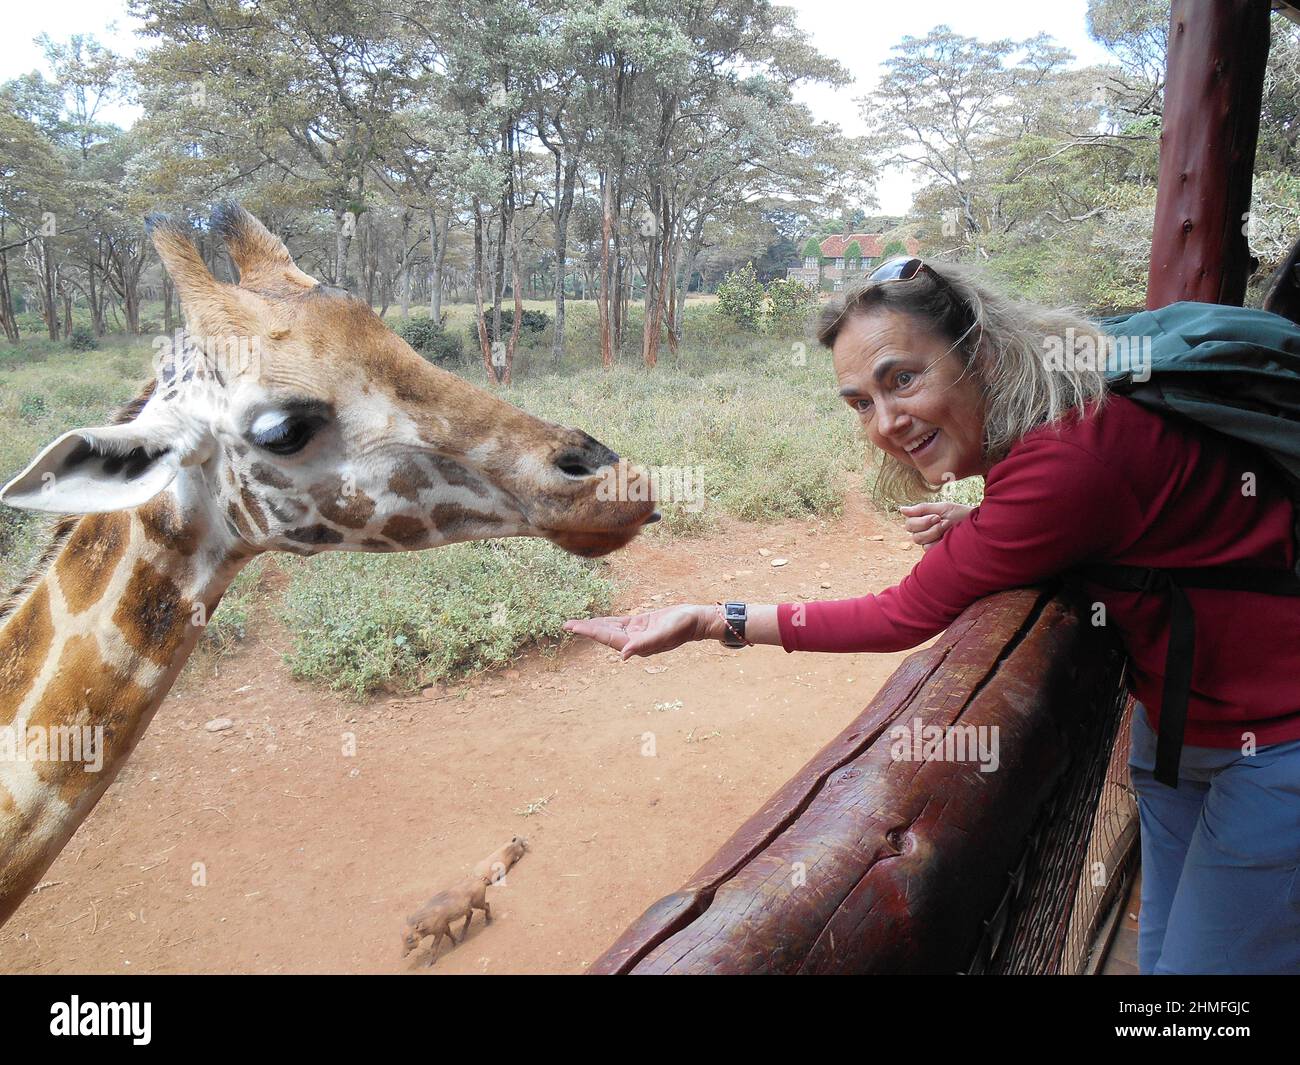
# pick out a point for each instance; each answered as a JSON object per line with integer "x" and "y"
{"x": 287, "y": 436}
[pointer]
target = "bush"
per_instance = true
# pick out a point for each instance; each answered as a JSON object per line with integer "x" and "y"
{"x": 366, "y": 622}
{"x": 529, "y": 322}
{"x": 83, "y": 339}
{"x": 229, "y": 623}
{"x": 431, "y": 340}
{"x": 789, "y": 304}
{"x": 740, "y": 297}
{"x": 32, "y": 407}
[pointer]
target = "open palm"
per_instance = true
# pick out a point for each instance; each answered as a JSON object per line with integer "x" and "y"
{"x": 644, "y": 634}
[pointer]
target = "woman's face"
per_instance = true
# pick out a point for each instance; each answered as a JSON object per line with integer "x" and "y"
{"x": 911, "y": 394}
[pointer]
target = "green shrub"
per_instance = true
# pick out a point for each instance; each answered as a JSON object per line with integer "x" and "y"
{"x": 529, "y": 322}
{"x": 740, "y": 297}
{"x": 789, "y": 305}
{"x": 229, "y": 623}
{"x": 431, "y": 340}
{"x": 83, "y": 339}
{"x": 32, "y": 407}
{"x": 366, "y": 622}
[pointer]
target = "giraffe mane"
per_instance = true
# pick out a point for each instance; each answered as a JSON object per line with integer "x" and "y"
{"x": 62, "y": 527}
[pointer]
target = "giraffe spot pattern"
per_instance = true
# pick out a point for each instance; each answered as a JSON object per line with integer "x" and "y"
{"x": 405, "y": 530}
{"x": 91, "y": 556}
{"x": 153, "y": 615}
{"x": 86, "y": 691}
{"x": 458, "y": 476}
{"x": 284, "y": 511}
{"x": 408, "y": 481}
{"x": 240, "y": 523}
{"x": 269, "y": 476}
{"x": 350, "y": 509}
{"x": 162, "y": 523}
{"x": 24, "y": 643}
{"x": 450, "y": 519}
{"x": 254, "y": 511}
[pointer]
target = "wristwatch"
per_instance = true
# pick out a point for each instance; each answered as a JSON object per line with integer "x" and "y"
{"x": 734, "y": 614}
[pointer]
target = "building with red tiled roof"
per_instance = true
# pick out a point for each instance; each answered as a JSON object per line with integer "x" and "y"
{"x": 839, "y": 269}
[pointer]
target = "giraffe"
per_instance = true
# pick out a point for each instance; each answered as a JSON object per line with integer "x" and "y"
{"x": 285, "y": 417}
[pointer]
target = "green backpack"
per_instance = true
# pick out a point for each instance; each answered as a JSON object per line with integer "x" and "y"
{"x": 1236, "y": 371}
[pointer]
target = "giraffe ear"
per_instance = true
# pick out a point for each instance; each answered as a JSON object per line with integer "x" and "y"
{"x": 90, "y": 471}
{"x": 261, "y": 257}
{"x": 209, "y": 306}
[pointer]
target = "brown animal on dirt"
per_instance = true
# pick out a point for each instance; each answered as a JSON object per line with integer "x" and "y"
{"x": 435, "y": 917}
{"x": 498, "y": 863}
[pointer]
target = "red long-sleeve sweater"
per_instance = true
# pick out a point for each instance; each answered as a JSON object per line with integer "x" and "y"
{"x": 1125, "y": 485}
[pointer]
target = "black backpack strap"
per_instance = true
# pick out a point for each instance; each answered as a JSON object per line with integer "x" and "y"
{"x": 1182, "y": 634}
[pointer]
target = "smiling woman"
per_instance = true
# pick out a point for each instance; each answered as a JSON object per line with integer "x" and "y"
{"x": 951, "y": 379}
{"x": 960, "y": 353}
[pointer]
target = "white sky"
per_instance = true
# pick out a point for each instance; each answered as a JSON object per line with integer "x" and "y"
{"x": 859, "y": 34}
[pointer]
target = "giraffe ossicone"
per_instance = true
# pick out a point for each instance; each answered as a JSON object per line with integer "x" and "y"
{"x": 285, "y": 417}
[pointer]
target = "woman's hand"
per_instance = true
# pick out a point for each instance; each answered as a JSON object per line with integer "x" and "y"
{"x": 646, "y": 634}
{"x": 927, "y": 522}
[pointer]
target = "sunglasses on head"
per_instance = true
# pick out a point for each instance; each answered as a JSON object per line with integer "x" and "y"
{"x": 902, "y": 269}
{"x": 906, "y": 268}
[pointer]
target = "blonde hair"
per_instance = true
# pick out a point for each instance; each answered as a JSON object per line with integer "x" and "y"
{"x": 1001, "y": 340}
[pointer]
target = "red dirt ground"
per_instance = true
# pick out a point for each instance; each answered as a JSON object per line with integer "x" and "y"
{"x": 313, "y": 858}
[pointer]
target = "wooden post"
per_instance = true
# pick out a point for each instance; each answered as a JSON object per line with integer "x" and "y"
{"x": 1213, "y": 90}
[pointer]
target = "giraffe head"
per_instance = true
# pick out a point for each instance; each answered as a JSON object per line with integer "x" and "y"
{"x": 305, "y": 424}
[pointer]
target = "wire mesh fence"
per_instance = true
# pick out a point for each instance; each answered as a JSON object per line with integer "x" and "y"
{"x": 1075, "y": 865}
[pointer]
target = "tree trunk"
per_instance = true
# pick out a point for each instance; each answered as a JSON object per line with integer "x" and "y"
{"x": 564, "y": 208}
{"x": 7, "y": 320}
{"x": 437, "y": 259}
{"x": 370, "y": 258}
{"x": 94, "y": 296}
{"x": 620, "y": 296}
{"x": 484, "y": 345}
{"x": 693, "y": 247}
{"x": 605, "y": 297}
{"x": 48, "y": 307}
{"x": 519, "y": 302}
{"x": 405, "y": 279}
{"x": 344, "y": 223}
{"x": 676, "y": 293}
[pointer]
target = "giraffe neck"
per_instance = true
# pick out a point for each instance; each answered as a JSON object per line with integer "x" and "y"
{"x": 87, "y": 657}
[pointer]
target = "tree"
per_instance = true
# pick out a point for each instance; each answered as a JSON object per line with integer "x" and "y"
{"x": 1136, "y": 32}
{"x": 740, "y": 297}
{"x": 31, "y": 180}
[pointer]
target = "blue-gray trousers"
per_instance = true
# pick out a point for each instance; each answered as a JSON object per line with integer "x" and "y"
{"x": 1220, "y": 858}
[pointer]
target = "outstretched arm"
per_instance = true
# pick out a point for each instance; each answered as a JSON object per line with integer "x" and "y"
{"x": 671, "y": 626}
